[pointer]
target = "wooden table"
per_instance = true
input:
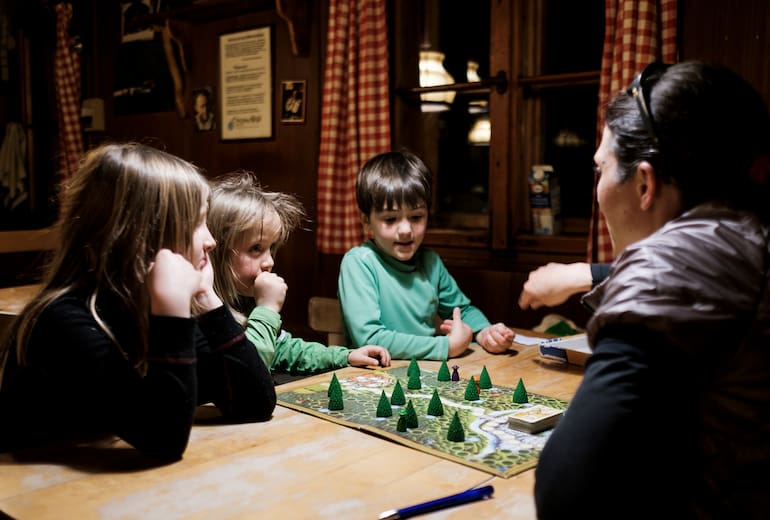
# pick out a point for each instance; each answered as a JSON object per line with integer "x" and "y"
{"x": 293, "y": 466}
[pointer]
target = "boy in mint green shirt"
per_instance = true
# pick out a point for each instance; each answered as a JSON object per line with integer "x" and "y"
{"x": 391, "y": 288}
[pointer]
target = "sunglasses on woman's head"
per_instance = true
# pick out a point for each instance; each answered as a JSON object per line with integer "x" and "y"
{"x": 640, "y": 90}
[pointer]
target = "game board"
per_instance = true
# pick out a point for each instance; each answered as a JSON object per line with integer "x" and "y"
{"x": 489, "y": 445}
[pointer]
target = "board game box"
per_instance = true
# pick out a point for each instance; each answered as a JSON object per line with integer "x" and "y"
{"x": 571, "y": 349}
{"x": 488, "y": 442}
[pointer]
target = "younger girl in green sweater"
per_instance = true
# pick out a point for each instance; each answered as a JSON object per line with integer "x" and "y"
{"x": 250, "y": 224}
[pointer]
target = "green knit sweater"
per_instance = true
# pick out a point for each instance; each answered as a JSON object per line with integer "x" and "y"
{"x": 394, "y": 304}
{"x": 280, "y": 351}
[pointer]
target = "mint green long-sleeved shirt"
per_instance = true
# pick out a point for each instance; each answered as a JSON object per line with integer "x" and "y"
{"x": 393, "y": 304}
{"x": 280, "y": 351}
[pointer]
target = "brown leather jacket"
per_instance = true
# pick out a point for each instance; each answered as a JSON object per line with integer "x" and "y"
{"x": 700, "y": 284}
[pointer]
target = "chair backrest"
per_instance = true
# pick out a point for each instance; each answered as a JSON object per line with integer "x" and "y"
{"x": 324, "y": 315}
{"x": 26, "y": 240}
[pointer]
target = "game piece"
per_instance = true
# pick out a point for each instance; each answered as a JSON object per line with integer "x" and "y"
{"x": 455, "y": 373}
{"x": 455, "y": 432}
{"x": 435, "y": 407}
{"x": 335, "y": 399}
{"x": 534, "y": 419}
{"x": 520, "y": 394}
{"x": 411, "y": 415}
{"x": 443, "y": 372}
{"x": 383, "y": 406}
{"x": 414, "y": 382}
{"x": 335, "y": 383}
{"x": 471, "y": 391}
{"x": 398, "y": 398}
{"x": 484, "y": 380}
{"x": 401, "y": 424}
{"x": 413, "y": 367}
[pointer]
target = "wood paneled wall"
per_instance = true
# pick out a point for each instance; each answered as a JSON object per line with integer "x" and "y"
{"x": 286, "y": 162}
{"x": 732, "y": 32}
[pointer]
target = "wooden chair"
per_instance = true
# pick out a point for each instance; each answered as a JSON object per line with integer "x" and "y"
{"x": 324, "y": 315}
{"x": 13, "y": 299}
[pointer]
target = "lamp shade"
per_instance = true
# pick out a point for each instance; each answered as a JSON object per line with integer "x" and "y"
{"x": 481, "y": 131}
{"x": 433, "y": 73}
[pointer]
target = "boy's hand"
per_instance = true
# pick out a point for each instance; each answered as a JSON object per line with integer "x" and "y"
{"x": 496, "y": 338}
{"x": 460, "y": 334}
{"x": 369, "y": 355}
{"x": 270, "y": 291}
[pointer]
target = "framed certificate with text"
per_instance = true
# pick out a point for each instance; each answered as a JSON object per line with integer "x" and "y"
{"x": 245, "y": 81}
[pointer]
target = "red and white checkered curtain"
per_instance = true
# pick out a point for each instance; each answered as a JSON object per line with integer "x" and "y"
{"x": 636, "y": 32}
{"x": 355, "y": 115}
{"x": 67, "y": 84}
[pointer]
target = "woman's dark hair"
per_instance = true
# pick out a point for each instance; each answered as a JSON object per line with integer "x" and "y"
{"x": 393, "y": 179}
{"x": 710, "y": 134}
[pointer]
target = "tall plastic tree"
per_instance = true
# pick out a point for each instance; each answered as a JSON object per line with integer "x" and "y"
{"x": 335, "y": 383}
{"x": 414, "y": 382}
{"x": 520, "y": 394}
{"x": 435, "y": 407}
{"x": 485, "y": 381}
{"x": 456, "y": 433}
{"x": 411, "y": 415}
{"x": 471, "y": 391}
{"x": 383, "y": 406}
{"x": 335, "y": 398}
{"x": 443, "y": 372}
{"x": 413, "y": 367}
{"x": 397, "y": 398}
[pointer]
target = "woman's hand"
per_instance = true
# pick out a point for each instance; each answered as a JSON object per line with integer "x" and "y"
{"x": 553, "y": 283}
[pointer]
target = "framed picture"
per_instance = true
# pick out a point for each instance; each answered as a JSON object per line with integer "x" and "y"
{"x": 203, "y": 109}
{"x": 293, "y": 101}
{"x": 245, "y": 84}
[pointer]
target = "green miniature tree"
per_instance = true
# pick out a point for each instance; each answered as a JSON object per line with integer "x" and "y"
{"x": 520, "y": 394}
{"x": 401, "y": 424}
{"x": 414, "y": 380}
{"x": 443, "y": 372}
{"x": 435, "y": 407}
{"x": 411, "y": 415}
{"x": 335, "y": 399}
{"x": 335, "y": 383}
{"x": 413, "y": 367}
{"x": 383, "y": 406}
{"x": 455, "y": 432}
{"x": 397, "y": 397}
{"x": 471, "y": 392}
{"x": 484, "y": 380}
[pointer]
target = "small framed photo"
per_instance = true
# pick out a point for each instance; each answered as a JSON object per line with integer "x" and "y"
{"x": 203, "y": 109}
{"x": 293, "y": 94}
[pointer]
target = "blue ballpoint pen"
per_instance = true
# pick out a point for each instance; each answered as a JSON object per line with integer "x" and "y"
{"x": 440, "y": 503}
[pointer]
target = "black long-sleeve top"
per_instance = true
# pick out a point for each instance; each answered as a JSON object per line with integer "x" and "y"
{"x": 78, "y": 382}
